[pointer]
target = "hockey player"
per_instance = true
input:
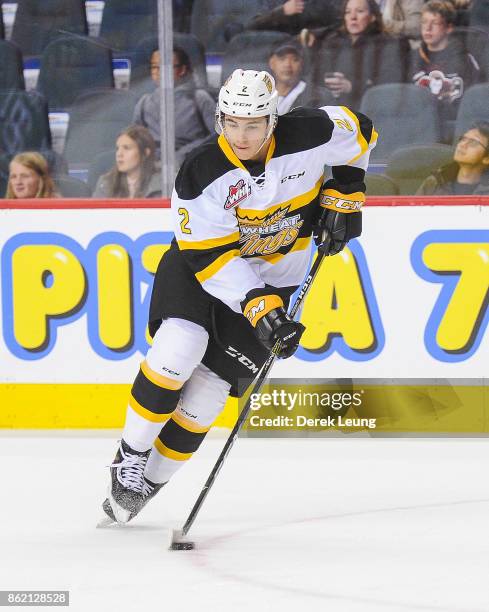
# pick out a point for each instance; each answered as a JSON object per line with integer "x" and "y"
{"x": 244, "y": 208}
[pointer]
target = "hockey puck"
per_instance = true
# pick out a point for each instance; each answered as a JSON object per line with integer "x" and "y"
{"x": 182, "y": 546}
{"x": 179, "y": 542}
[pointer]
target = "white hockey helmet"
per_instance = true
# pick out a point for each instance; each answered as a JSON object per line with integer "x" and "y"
{"x": 248, "y": 93}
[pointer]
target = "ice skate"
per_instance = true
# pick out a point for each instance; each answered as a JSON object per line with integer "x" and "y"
{"x": 125, "y": 490}
{"x": 149, "y": 490}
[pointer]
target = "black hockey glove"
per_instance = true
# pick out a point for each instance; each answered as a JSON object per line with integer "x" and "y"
{"x": 339, "y": 218}
{"x": 271, "y": 323}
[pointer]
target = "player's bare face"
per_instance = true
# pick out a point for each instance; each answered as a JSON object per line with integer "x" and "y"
{"x": 246, "y": 136}
{"x": 24, "y": 182}
{"x": 127, "y": 156}
{"x": 472, "y": 149}
{"x": 357, "y": 17}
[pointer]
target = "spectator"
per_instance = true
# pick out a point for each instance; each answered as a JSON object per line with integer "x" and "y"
{"x": 195, "y": 108}
{"x": 29, "y": 177}
{"x": 287, "y": 64}
{"x": 359, "y": 54}
{"x": 402, "y": 17}
{"x": 469, "y": 171}
{"x": 442, "y": 64}
{"x": 293, "y": 16}
{"x": 134, "y": 174}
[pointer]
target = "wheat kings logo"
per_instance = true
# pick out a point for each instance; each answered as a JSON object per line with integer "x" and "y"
{"x": 265, "y": 236}
{"x": 237, "y": 193}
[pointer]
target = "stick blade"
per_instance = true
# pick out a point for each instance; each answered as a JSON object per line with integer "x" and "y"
{"x": 179, "y": 542}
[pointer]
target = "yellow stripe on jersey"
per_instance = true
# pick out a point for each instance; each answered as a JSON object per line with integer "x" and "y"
{"x": 187, "y": 424}
{"x": 158, "y": 379}
{"x": 216, "y": 265}
{"x": 234, "y": 159}
{"x": 292, "y": 204}
{"x": 210, "y": 243}
{"x": 300, "y": 244}
{"x": 169, "y": 453}
{"x": 362, "y": 143}
{"x": 374, "y": 137}
{"x": 147, "y": 414}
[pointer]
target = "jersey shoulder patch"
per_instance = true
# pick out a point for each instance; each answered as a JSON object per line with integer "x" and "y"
{"x": 301, "y": 129}
{"x": 201, "y": 167}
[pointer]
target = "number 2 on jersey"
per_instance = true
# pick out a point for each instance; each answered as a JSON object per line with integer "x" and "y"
{"x": 184, "y": 222}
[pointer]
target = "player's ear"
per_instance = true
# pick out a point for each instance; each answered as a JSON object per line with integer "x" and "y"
{"x": 147, "y": 152}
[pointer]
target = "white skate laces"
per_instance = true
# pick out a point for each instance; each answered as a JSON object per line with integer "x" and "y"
{"x": 130, "y": 471}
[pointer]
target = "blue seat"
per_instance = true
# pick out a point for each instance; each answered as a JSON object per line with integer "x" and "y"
{"x": 72, "y": 65}
{"x": 24, "y": 123}
{"x": 214, "y": 22}
{"x": 473, "y": 107}
{"x": 479, "y": 14}
{"x": 70, "y": 187}
{"x": 37, "y": 23}
{"x": 380, "y": 184}
{"x": 11, "y": 67}
{"x": 2, "y": 28}
{"x": 409, "y": 166}
{"x": 101, "y": 164}
{"x": 403, "y": 114}
{"x": 126, "y": 22}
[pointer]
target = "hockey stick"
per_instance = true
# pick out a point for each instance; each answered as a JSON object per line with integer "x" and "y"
{"x": 178, "y": 541}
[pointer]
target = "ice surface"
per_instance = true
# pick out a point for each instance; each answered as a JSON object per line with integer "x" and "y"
{"x": 344, "y": 525}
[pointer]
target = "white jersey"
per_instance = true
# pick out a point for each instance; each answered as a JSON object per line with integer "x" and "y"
{"x": 240, "y": 232}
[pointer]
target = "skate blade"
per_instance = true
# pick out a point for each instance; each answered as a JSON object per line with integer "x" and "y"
{"x": 105, "y": 522}
{"x": 121, "y": 515}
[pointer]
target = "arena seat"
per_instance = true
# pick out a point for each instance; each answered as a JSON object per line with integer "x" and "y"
{"x": 403, "y": 114}
{"x": 11, "y": 67}
{"x": 101, "y": 164}
{"x": 72, "y": 65}
{"x": 479, "y": 14}
{"x": 473, "y": 107}
{"x": 126, "y": 22}
{"x": 70, "y": 187}
{"x": 214, "y": 22}
{"x": 409, "y": 166}
{"x": 38, "y": 22}
{"x": 380, "y": 184}
{"x": 24, "y": 123}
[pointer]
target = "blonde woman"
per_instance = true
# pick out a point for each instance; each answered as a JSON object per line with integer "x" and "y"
{"x": 29, "y": 177}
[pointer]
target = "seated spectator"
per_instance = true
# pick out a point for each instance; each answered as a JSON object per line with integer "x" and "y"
{"x": 293, "y": 16}
{"x": 29, "y": 177}
{"x": 402, "y": 17}
{"x": 134, "y": 174}
{"x": 195, "y": 108}
{"x": 442, "y": 65}
{"x": 469, "y": 172}
{"x": 286, "y": 63}
{"x": 359, "y": 54}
